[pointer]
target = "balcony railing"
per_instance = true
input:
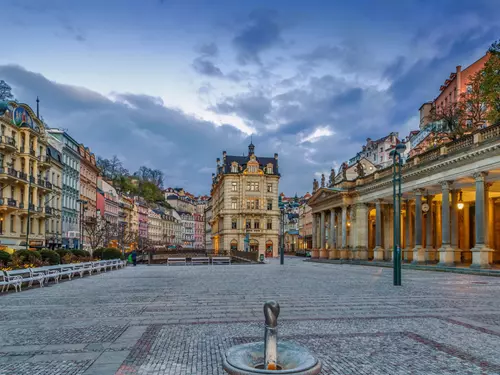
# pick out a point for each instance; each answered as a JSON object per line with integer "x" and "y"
{"x": 12, "y": 172}
{"x": 32, "y": 179}
{"x": 32, "y": 152}
{"x": 48, "y": 210}
{"x": 23, "y": 176}
{"x": 8, "y": 141}
{"x": 48, "y": 184}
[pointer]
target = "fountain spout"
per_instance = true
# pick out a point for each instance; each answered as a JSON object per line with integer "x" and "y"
{"x": 271, "y": 312}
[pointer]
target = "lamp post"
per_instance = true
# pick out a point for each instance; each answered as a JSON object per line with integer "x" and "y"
{"x": 396, "y": 188}
{"x": 285, "y": 209}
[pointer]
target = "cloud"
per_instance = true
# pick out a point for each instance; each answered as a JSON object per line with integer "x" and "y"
{"x": 260, "y": 33}
{"x": 254, "y": 107}
{"x": 206, "y": 68}
{"x": 208, "y": 49}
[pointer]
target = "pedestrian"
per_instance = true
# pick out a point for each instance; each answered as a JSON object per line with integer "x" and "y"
{"x": 134, "y": 258}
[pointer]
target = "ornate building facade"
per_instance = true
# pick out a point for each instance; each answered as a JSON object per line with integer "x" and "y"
{"x": 245, "y": 212}
{"x": 53, "y": 224}
{"x": 450, "y": 207}
{"x": 23, "y": 176}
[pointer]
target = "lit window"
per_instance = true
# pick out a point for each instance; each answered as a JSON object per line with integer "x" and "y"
{"x": 234, "y": 204}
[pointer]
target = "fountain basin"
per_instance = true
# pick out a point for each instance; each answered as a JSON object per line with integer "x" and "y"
{"x": 292, "y": 359}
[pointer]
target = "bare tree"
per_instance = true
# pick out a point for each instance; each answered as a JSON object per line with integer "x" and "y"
{"x": 5, "y": 91}
{"x": 96, "y": 231}
{"x": 451, "y": 117}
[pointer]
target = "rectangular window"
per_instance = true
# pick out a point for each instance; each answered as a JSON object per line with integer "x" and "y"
{"x": 269, "y": 188}
{"x": 256, "y": 224}
{"x": 248, "y": 224}
{"x": 269, "y": 224}
{"x": 234, "y": 186}
{"x": 269, "y": 205}
{"x": 234, "y": 224}
{"x": 252, "y": 186}
{"x": 234, "y": 205}
{"x": 22, "y": 225}
{"x": 469, "y": 88}
{"x": 381, "y": 149}
{"x": 12, "y": 224}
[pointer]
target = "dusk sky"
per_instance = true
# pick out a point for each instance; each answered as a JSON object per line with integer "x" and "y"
{"x": 170, "y": 84}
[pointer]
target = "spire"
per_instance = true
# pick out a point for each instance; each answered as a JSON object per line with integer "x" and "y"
{"x": 251, "y": 147}
{"x": 37, "y": 107}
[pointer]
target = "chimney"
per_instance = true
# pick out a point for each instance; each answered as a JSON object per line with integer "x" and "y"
{"x": 224, "y": 155}
{"x": 459, "y": 68}
{"x": 276, "y": 156}
{"x": 218, "y": 161}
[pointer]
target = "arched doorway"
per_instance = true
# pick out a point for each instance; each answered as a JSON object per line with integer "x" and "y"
{"x": 269, "y": 249}
{"x": 233, "y": 245}
{"x": 254, "y": 245}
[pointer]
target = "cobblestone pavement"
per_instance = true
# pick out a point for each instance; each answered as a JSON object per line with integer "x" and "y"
{"x": 180, "y": 320}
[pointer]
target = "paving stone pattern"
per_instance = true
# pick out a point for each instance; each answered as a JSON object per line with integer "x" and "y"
{"x": 180, "y": 320}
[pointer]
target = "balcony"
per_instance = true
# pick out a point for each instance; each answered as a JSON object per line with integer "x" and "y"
{"x": 9, "y": 174}
{"x": 48, "y": 210}
{"x": 24, "y": 150}
{"x": 7, "y": 144}
{"x": 43, "y": 162}
{"x": 8, "y": 204}
{"x": 122, "y": 214}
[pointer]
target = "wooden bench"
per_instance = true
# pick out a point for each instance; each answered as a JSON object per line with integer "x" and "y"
{"x": 221, "y": 260}
{"x": 27, "y": 276}
{"x": 199, "y": 261}
{"x": 175, "y": 261}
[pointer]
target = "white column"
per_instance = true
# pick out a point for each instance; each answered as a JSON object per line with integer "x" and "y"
{"x": 418, "y": 251}
{"x": 446, "y": 254}
{"x": 481, "y": 254}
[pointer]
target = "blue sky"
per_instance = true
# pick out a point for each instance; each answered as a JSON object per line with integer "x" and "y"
{"x": 172, "y": 83}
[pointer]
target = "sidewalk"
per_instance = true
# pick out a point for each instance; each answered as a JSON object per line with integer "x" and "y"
{"x": 495, "y": 271}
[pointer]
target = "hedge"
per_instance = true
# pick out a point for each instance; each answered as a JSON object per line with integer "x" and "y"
{"x": 50, "y": 256}
{"x": 63, "y": 252}
{"x": 111, "y": 253}
{"x": 80, "y": 253}
{"x": 28, "y": 256}
{"x": 4, "y": 257}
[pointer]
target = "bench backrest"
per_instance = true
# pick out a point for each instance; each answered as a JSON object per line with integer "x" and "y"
{"x": 21, "y": 272}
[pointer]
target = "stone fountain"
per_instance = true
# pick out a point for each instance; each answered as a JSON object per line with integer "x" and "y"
{"x": 270, "y": 356}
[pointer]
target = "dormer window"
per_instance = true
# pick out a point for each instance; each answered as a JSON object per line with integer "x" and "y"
{"x": 234, "y": 167}
{"x": 270, "y": 168}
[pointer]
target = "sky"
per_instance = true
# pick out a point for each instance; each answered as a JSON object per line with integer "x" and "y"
{"x": 170, "y": 84}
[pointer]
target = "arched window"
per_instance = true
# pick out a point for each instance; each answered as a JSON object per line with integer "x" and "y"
{"x": 269, "y": 248}
{"x": 234, "y": 167}
{"x": 254, "y": 245}
{"x": 234, "y": 245}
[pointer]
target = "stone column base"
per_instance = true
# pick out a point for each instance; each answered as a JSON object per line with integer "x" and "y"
{"x": 315, "y": 253}
{"x": 323, "y": 254}
{"x": 362, "y": 253}
{"x": 378, "y": 253}
{"x": 418, "y": 255}
{"x": 430, "y": 255}
{"x": 446, "y": 256}
{"x": 333, "y": 254}
{"x": 481, "y": 256}
{"x": 458, "y": 255}
{"x": 344, "y": 254}
{"x": 408, "y": 254}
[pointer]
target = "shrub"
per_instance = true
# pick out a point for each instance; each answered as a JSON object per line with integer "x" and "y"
{"x": 80, "y": 253}
{"x": 97, "y": 253}
{"x": 5, "y": 257}
{"x": 28, "y": 256}
{"x": 111, "y": 253}
{"x": 63, "y": 252}
{"x": 68, "y": 258}
{"x": 50, "y": 256}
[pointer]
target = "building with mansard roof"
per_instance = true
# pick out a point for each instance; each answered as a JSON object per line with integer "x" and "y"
{"x": 244, "y": 200}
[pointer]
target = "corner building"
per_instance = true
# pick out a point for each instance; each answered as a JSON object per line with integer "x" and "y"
{"x": 245, "y": 204}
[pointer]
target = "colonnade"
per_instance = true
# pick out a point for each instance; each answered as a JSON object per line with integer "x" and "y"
{"x": 433, "y": 228}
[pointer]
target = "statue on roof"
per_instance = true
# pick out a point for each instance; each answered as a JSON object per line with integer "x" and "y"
{"x": 332, "y": 177}
{"x": 360, "y": 170}
{"x": 315, "y": 186}
{"x": 322, "y": 180}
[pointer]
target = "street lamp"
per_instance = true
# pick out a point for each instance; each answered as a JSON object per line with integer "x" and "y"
{"x": 397, "y": 160}
{"x": 285, "y": 208}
